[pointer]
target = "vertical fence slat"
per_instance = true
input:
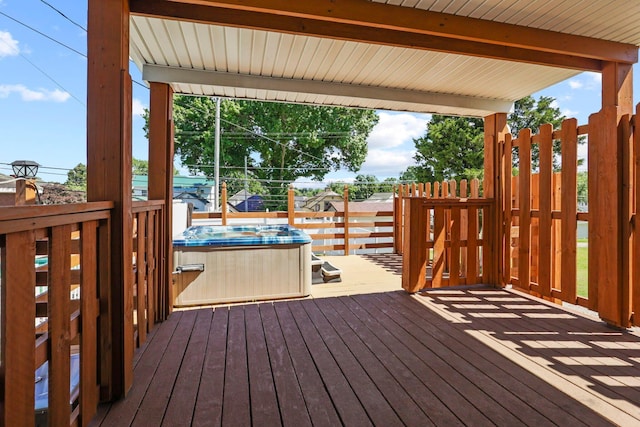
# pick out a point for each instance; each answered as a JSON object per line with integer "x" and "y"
{"x": 535, "y": 230}
{"x": 141, "y": 267}
{"x": 544, "y": 221}
{"x": 18, "y": 328}
{"x": 472, "y": 240}
{"x": 104, "y": 293}
{"x": 506, "y": 182}
{"x": 59, "y": 324}
{"x": 223, "y": 206}
{"x": 569, "y": 210}
{"x": 152, "y": 270}
{"x": 454, "y": 271}
{"x": 627, "y": 214}
{"x": 291, "y": 206}
{"x": 524, "y": 173}
{"x": 556, "y": 234}
{"x": 439, "y": 237}
{"x": 89, "y": 309}
{"x": 464, "y": 228}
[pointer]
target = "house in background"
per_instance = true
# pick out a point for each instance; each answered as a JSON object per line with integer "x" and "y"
{"x": 381, "y": 198}
{"x": 7, "y": 191}
{"x": 321, "y": 202}
{"x": 253, "y": 203}
{"x": 197, "y": 190}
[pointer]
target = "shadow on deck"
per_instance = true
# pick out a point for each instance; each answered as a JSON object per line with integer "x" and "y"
{"x": 449, "y": 357}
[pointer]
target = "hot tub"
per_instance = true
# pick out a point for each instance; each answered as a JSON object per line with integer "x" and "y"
{"x": 219, "y": 264}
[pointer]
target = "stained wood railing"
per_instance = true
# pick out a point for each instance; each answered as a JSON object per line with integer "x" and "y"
{"x": 71, "y": 245}
{"x": 542, "y": 216}
{"x": 149, "y": 295}
{"x": 442, "y": 242}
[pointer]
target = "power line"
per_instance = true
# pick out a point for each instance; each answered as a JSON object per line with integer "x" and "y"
{"x": 64, "y": 16}
{"x": 44, "y": 35}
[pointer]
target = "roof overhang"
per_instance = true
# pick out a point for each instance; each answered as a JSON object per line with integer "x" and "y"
{"x": 474, "y": 61}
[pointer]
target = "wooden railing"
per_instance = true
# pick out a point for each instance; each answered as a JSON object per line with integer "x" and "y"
{"x": 70, "y": 243}
{"x": 351, "y": 230}
{"x": 542, "y": 218}
{"x": 442, "y": 242}
{"x": 148, "y": 301}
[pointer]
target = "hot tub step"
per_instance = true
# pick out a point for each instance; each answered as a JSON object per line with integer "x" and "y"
{"x": 330, "y": 273}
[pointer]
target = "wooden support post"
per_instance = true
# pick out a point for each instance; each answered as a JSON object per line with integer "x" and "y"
{"x": 610, "y": 268}
{"x": 495, "y": 130}
{"x": 544, "y": 220}
{"x": 161, "y": 148}
{"x": 414, "y": 259}
{"x": 345, "y": 197}
{"x": 635, "y": 300}
{"x": 25, "y": 192}
{"x": 524, "y": 205}
{"x": 109, "y": 172}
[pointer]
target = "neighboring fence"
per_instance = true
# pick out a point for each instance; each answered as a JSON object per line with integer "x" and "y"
{"x": 442, "y": 243}
{"x": 342, "y": 232}
{"x": 64, "y": 251}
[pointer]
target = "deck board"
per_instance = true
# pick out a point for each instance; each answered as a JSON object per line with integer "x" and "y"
{"x": 469, "y": 356}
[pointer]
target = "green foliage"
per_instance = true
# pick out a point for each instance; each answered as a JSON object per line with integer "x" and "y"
{"x": 140, "y": 167}
{"x": 364, "y": 186}
{"x": 450, "y": 147}
{"x": 281, "y": 142}
{"x": 77, "y": 178}
{"x": 453, "y": 147}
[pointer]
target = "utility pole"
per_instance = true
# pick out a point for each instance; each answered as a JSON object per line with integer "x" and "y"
{"x": 216, "y": 200}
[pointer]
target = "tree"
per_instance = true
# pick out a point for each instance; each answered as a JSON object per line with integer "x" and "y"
{"x": 529, "y": 113}
{"x": 453, "y": 147}
{"x": 140, "y": 167}
{"x": 280, "y": 142}
{"x": 77, "y": 178}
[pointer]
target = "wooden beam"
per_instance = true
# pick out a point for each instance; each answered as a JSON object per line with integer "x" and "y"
{"x": 109, "y": 166}
{"x": 495, "y": 131}
{"x": 161, "y": 150}
{"x": 164, "y": 74}
{"x": 610, "y": 268}
{"x": 368, "y": 22}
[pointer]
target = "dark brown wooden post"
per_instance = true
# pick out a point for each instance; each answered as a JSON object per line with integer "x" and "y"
{"x": 414, "y": 259}
{"x": 495, "y": 129}
{"x": 109, "y": 176}
{"x": 161, "y": 149}
{"x": 609, "y": 197}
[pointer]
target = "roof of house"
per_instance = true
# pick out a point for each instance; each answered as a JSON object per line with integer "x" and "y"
{"x": 7, "y": 184}
{"x": 380, "y": 197}
{"x": 466, "y": 57}
{"x": 328, "y": 194}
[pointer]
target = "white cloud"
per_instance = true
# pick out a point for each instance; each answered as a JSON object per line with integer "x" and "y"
{"x": 8, "y": 45}
{"x": 386, "y": 162}
{"x": 595, "y": 77}
{"x": 28, "y": 95}
{"x": 575, "y": 84}
{"x": 394, "y": 130}
{"x": 137, "y": 107}
{"x": 569, "y": 113}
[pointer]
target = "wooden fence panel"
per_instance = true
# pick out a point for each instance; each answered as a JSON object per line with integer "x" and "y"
{"x": 636, "y": 223}
{"x": 506, "y": 215}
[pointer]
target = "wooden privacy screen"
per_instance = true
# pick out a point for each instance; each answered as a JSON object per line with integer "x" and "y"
{"x": 54, "y": 278}
{"x": 442, "y": 234}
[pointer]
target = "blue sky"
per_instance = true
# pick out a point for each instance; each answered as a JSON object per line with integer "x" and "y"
{"x": 43, "y": 97}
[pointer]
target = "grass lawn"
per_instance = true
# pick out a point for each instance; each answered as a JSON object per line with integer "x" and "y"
{"x": 582, "y": 263}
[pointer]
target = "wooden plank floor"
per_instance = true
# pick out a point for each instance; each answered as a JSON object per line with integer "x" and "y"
{"x": 475, "y": 357}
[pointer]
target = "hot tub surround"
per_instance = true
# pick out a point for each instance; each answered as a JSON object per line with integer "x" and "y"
{"x": 240, "y": 263}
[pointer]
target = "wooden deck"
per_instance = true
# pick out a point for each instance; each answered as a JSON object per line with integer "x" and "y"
{"x": 451, "y": 357}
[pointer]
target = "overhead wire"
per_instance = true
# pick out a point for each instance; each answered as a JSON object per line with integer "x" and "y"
{"x": 64, "y": 16}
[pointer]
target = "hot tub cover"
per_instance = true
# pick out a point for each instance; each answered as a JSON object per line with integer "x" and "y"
{"x": 241, "y": 235}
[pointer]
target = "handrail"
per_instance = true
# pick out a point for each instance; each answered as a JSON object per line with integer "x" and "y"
{"x": 146, "y": 205}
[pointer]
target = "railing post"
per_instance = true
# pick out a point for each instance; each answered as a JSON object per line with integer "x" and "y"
{"x": 291, "y": 207}
{"x": 223, "y": 205}
{"x": 414, "y": 260}
{"x": 345, "y": 196}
